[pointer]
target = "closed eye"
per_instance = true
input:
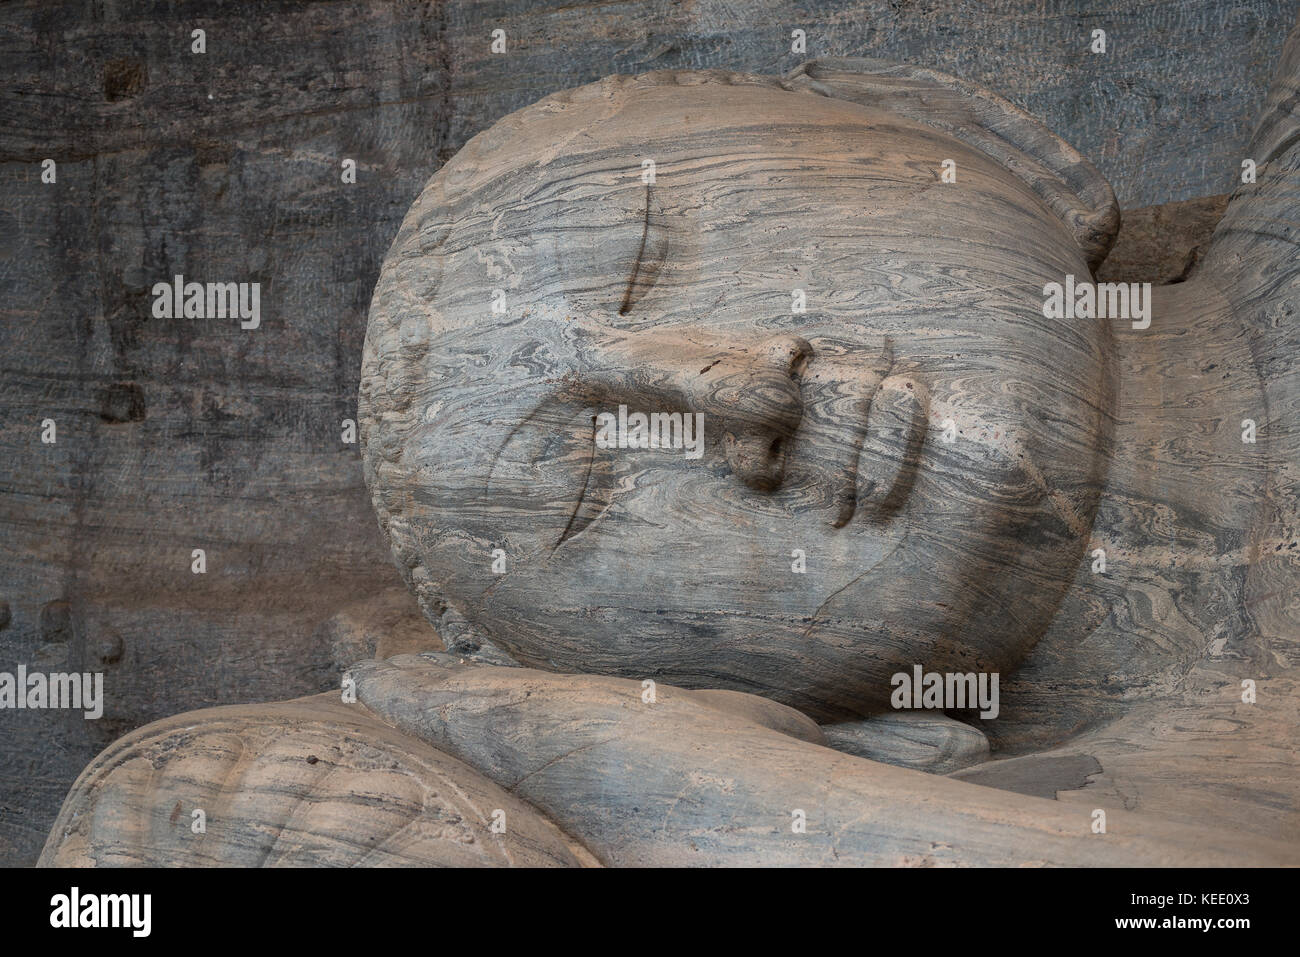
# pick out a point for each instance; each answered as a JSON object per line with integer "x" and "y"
{"x": 549, "y": 465}
{"x": 595, "y": 495}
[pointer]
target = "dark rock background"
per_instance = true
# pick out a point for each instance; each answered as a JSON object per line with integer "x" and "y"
{"x": 225, "y": 166}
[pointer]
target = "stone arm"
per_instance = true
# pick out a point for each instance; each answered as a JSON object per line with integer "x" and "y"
{"x": 436, "y": 750}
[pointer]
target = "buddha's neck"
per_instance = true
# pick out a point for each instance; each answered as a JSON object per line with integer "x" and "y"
{"x": 1190, "y": 462}
{"x": 1182, "y": 522}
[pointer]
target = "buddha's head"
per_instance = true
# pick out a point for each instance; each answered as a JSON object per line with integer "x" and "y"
{"x": 901, "y": 456}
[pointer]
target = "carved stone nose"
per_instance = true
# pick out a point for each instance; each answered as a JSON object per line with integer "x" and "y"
{"x": 760, "y": 400}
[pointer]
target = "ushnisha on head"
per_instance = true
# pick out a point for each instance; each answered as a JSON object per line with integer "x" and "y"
{"x": 918, "y": 437}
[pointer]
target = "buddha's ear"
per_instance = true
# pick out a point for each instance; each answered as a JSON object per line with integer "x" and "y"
{"x": 1058, "y": 173}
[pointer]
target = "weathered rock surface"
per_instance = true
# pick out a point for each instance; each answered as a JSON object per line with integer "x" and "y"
{"x": 910, "y": 739}
{"x": 175, "y": 435}
{"x": 1202, "y": 757}
{"x": 822, "y": 425}
{"x": 678, "y": 782}
{"x": 381, "y": 626}
{"x": 1163, "y": 244}
{"x": 675, "y": 777}
{"x": 306, "y": 783}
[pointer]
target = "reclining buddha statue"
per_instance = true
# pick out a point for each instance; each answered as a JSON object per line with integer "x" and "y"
{"x": 784, "y": 489}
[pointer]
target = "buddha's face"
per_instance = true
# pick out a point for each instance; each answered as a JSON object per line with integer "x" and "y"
{"x": 900, "y": 455}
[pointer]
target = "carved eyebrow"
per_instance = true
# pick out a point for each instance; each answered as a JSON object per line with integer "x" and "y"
{"x": 650, "y": 254}
{"x": 640, "y": 253}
